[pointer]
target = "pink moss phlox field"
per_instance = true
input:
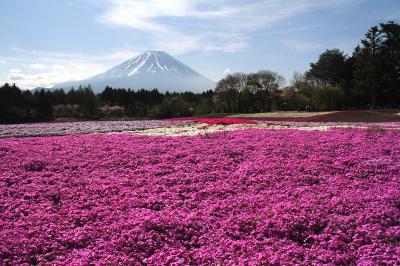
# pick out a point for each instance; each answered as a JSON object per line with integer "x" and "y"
{"x": 269, "y": 197}
{"x": 87, "y": 127}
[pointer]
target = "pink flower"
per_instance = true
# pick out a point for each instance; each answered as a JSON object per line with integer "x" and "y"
{"x": 277, "y": 197}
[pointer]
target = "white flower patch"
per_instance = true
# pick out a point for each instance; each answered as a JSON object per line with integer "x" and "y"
{"x": 202, "y": 128}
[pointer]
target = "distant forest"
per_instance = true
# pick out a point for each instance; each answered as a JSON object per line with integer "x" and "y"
{"x": 367, "y": 79}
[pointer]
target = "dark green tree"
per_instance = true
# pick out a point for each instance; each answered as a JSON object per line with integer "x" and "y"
{"x": 391, "y": 63}
{"x": 88, "y": 103}
{"x": 368, "y": 67}
{"x": 12, "y": 107}
{"x": 43, "y": 106}
{"x": 330, "y": 68}
{"x": 107, "y": 96}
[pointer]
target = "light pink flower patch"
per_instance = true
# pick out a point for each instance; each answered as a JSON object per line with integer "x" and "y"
{"x": 87, "y": 127}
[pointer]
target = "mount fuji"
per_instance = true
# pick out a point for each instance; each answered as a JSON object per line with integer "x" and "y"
{"x": 148, "y": 70}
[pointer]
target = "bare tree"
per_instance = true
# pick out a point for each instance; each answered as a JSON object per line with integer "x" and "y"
{"x": 228, "y": 90}
{"x": 297, "y": 80}
{"x": 265, "y": 84}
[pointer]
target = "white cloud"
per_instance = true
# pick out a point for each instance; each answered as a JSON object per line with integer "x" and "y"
{"x": 15, "y": 70}
{"x": 37, "y": 66}
{"x": 140, "y": 14}
{"x": 226, "y": 47}
{"x": 147, "y": 15}
{"x": 119, "y": 55}
{"x": 16, "y": 76}
{"x": 59, "y": 67}
{"x": 56, "y": 67}
{"x": 3, "y": 61}
{"x": 206, "y": 24}
{"x": 47, "y": 57}
{"x": 55, "y": 74}
{"x": 227, "y": 71}
{"x": 177, "y": 44}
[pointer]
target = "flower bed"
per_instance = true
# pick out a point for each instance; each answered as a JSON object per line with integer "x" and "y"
{"x": 68, "y": 128}
{"x": 274, "y": 197}
{"x": 216, "y": 121}
{"x": 340, "y": 116}
{"x": 191, "y": 129}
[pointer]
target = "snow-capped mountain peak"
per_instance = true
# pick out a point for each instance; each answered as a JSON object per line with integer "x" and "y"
{"x": 148, "y": 70}
{"x": 150, "y": 62}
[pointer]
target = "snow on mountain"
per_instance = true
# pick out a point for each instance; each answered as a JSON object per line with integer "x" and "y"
{"x": 149, "y": 70}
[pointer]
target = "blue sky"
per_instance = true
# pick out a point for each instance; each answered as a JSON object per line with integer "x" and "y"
{"x": 44, "y": 42}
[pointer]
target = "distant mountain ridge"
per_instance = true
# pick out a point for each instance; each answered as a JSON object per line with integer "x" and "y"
{"x": 148, "y": 70}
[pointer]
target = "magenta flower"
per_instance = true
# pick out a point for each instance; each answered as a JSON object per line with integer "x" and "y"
{"x": 250, "y": 197}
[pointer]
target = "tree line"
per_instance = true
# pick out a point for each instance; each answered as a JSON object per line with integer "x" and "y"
{"x": 369, "y": 78}
{"x": 18, "y": 105}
